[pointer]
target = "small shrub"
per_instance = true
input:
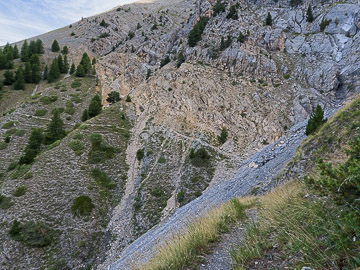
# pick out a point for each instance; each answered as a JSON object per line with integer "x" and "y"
{"x": 102, "y": 179}
{"x": 70, "y": 108}
{"x": 5, "y": 202}
{"x": 324, "y": 23}
{"x": 53, "y": 145}
{"x": 140, "y": 154}
{"x": 200, "y": 158}
{"x": 40, "y": 112}
{"x": 12, "y": 166}
{"x": 3, "y": 145}
{"x": 156, "y": 192}
{"x": 315, "y": 121}
{"x": 9, "y": 124}
{"x": 162, "y": 160}
{"x": 31, "y": 234}
{"x": 287, "y": 76}
{"x": 76, "y": 83}
{"x": 77, "y": 146}
{"x": 20, "y": 132}
{"x": 104, "y": 35}
{"x": 128, "y": 99}
{"x": 165, "y": 61}
{"x": 20, "y": 171}
{"x": 46, "y": 100}
{"x": 28, "y": 175}
{"x": 180, "y": 196}
{"x": 223, "y": 136}
{"x": 82, "y": 206}
{"x": 19, "y": 191}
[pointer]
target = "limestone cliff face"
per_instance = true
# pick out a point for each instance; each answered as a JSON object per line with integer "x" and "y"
{"x": 256, "y": 87}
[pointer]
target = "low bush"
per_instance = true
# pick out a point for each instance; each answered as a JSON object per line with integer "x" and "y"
{"x": 46, "y": 100}
{"x": 102, "y": 179}
{"x": 31, "y": 234}
{"x": 9, "y": 124}
{"x": 19, "y": 191}
{"x": 76, "y": 83}
{"x": 77, "y": 146}
{"x": 40, "y": 112}
{"x": 82, "y": 206}
{"x": 199, "y": 158}
{"x": 5, "y": 202}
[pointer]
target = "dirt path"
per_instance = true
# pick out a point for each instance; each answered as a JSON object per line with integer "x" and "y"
{"x": 220, "y": 258}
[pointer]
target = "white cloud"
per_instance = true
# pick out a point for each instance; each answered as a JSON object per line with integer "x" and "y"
{"x": 21, "y": 19}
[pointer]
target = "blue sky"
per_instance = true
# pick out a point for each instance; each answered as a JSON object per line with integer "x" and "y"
{"x": 21, "y": 19}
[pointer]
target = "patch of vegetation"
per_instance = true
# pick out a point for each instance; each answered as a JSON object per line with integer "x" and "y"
{"x": 3, "y": 145}
{"x": 9, "y": 125}
{"x": 102, "y": 179}
{"x": 324, "y": 23}
{"x": 218, "y": 8}
{"x": 199, "y": 158}
{"x": 162, "y": 160}
{"x": 315, "y": 121}
{"x": 77, "y": 146}
{"x": 140, "y": 154}
{"x": 223, "y": 135}
{"x": 31, "y": 234}
{"x": 165, "y": 61}
{"x": 76, "y": 83}
{"x": 104, "y": 35}
{"x": 99, "y": 149}
{"x": 19, "y": 191}
{"x": 82, "y": 206}
{"x": 69, "y": 108}
{"x": 195, "y": 34}
{"x": 40, "y": 112}
{"x": 5, "y": 202}
{"x": 46, "y": 100}
{"x": 20, "y": 171}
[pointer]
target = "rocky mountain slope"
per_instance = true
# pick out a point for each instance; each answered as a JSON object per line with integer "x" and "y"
{"x": 257, "y": 87}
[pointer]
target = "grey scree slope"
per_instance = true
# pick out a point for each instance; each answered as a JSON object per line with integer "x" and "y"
{"x": 270, "y": 160}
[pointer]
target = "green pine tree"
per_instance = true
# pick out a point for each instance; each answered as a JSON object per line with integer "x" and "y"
{"x": 55, "y": 130}
{"x": 223, "y": 136}
{"x": 60, "y": 63}
{"x": 113, "y": 97}
{"x": 8, "y": 77}
{"x": 309, "y": 15}
{"x": 35, "y": 74}
{"x": 268, "y": 20}
{"x": 85, "y": 116}
{"x": 55, "y": 46}
{"x": 80, "y": 72}
{"x": 16, "y": 54}
{"x": 19, "y": 79}
{"x": 33, "y": 147}
{"x": 195, "y": 33}
{"x": 54, "y": 72}
{"x": 86, "y": 63}
{"x": 72, "y": 69}
{"x": 95, "y": 106}
{"x": 315, "y": 121}
{"x": 66, "y": 64}
{"x": 27, "y": 72}
{"x": 65, "y": 50}
{"x": 24, "y": 52}
{"x": 46, "y": 71}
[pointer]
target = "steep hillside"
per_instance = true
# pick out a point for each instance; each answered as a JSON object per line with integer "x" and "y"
{"x": 253, "y": 80}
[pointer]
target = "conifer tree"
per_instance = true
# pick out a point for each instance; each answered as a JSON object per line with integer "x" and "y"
{"x": 93, "y": 61}
{"x": 95, "y": 106}
{"x": 113, "y": 97}
{"x": 8, "y": 77}
{"x": 46, "y": 72}
{"x": 60, "y": 63}
{"x": 19, "y": 79}
{"x": 80, "y": 72}
{"x": 27, "y": 72}
{"x": 32, "y": 49}
{"x": 72, "y": 69}
{"x": 24, "y": 51}
{"x": 195, "y": 34}
{"x": 39, "y": 47}
{"x": 65, "y": 65}
{"x": 35, "y": 74}
{"x": 268, "y": 20}
{"x": 33, "y": 147}
{"x": 54, "y": 72}
{"x": 55, "y": 130}
{"x": 16, "y": 52}
{"x": 315, "y": 121}
{"x": 55, "y": 46}
{"x": 223, "y": 136}
{"x": 86, "y": 63}
{"x": 35, "y": 60}
{"x": 85, "y": 116}
{"x": 309, "y": 15}
{"x": 65, "y": 50}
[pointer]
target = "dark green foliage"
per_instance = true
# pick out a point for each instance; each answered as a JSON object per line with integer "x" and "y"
{"x": 76, "y": 83}
{"x": 104, "y": 24}
{"x": 154, "y": 27}
{"x": 315, "y": 121}
{"x": 33, "y": 147}
{"x": 16, "y": 54}
{"x": 40, "y": 112}
{"x": 241, "y": 37}
{"x": 138, "y": 26}
{"x": 223, "y": 135}
{"x": 54, "y": 72}
{"x": 55, "y": 130}
{"x": 65, "y": 66}
{"x": 47, "y": 100}
{"x": 82, "y": 206}
{"x": 55, "y": 46}
{"x": 65, "y": 50}
{"x": 225, "y": 43}
{"x": 180, "y": 196}
{"x": 80, "y": 72}
{"x": 148, "y": 74}
{"x": 104, "y": 35}
{"x": 295, "y": 3}
{"x": 69, "y": 108}
{"x": 31, "y": 234}
{"x": 309, "y": 15}
{"x": 27, "y": 72}
{"x": 86, "y": 63}
{"x": 46, "y": 72}
{"x": 7, "y": 139}
{"x": 218, "y": 8}
{"x": 232, "y": 13}
{"x": 24, "y": 52}
{"x": 165, "y": 61}
{"x": 9, "y": 77}
{"x": 324, "y": 23}
{"x": 99, "y": 149}
{"x": 95, "y": 106}
{"x": 268, "y": 20}
{"x": 85, "y": 116}
{"x": 102, "y": 179}
{"x": 128, "y": 99}
{"x": 19, "y": 191}
{"x": 140, "y": 154}
{"x": 93, "y": 62}
{"x": 131, "y": 35}
{"x": 156, "y": 192}
{"x": 195, "y": 34}
{"x": 6, "y": 57}
{"x": 39, "y": 47}
{"x": 19, "y": 79}
{"x": 180, "y": 59}
{"x": 72, "y": 69}
{"x": 113, "y": 97}
{"x": 5, "y": 202}
{"x": 200, "y": 158}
